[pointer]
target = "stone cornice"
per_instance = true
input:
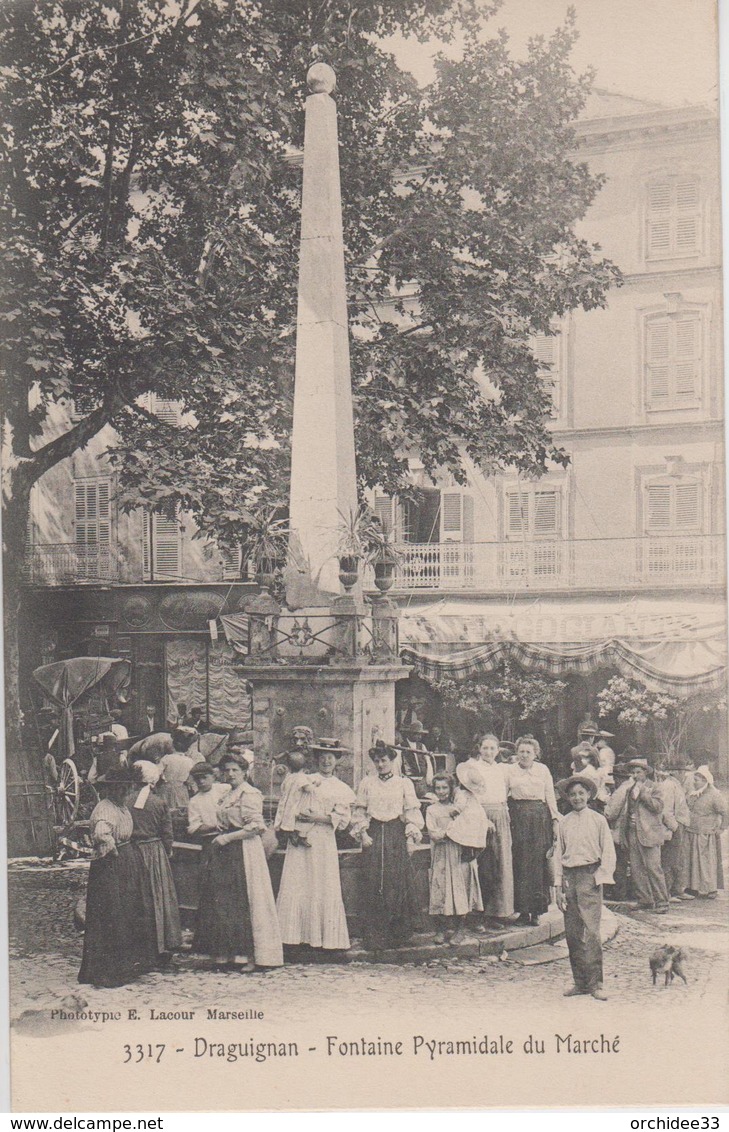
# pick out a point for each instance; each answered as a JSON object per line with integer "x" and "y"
{"x": 629, "y": 431}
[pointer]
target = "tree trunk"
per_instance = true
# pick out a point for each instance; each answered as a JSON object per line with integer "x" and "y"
{"x": 15, "y": 522}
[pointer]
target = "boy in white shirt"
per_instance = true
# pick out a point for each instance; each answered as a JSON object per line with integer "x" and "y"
{"x": 584, "y": 861}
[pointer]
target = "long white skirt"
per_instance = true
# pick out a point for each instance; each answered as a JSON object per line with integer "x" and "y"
{"x": 267, "y": 949}
{"x": 310, "y": 906}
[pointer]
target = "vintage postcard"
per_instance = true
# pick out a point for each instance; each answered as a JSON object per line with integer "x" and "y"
{"x": 364, "y": 555}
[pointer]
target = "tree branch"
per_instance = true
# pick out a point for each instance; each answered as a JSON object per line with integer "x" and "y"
{"x": 63, "y": 446}
{"x": 94, "y": 50}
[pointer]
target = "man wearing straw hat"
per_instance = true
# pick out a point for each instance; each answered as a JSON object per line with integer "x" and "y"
{"x": 584, "y": 861}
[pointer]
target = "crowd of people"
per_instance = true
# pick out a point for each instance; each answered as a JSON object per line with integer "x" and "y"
{"x": 503, "y": 840}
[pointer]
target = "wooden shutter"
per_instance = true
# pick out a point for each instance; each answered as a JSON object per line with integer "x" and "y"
{"x": 167, "y": 549}
{"x": 687, "y": 345}
{"x": 231, "y": 564}
{"x": 658, "y": 506}
{"x": 93, "y": 513}
{"x": 451, "y": 516}
{"x": 687, "y": 217}
{"x": 659, "y": 384}
{"x": 517, "y": 513}
{"x": 547, "y": 516}
{"x": 687, "y": 506}
{"x": 674, "y": 217}
{"x": 546, "y": 349}
{"x": 673, "y": 361}
{"x": 659, "y": 219}
{"x": 384, "y": 510}
{"x": 167, "y": 410}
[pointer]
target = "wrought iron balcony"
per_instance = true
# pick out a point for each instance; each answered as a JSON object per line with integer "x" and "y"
{"x": 67, "y": 563}
{"x": 590, "y": 564}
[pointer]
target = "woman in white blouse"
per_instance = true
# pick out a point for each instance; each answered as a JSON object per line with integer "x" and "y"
{"x": 486, "y": 780}
{"x": 386, "y": 821}
{"x": 534, "y": 825}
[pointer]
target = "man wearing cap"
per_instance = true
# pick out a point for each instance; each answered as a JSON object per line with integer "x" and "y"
{"x": 634, "y": 811}
{"x": 584, "y": 861}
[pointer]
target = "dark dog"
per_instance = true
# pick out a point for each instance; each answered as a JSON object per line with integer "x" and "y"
{"x": 668, "y": 961}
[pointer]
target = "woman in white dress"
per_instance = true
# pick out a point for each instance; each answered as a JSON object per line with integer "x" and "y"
{"x": 310, "y": 906}
{"x": 486, "y": 779}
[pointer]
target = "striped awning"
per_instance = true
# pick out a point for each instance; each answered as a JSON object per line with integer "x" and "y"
{"x": 676, "y": 648}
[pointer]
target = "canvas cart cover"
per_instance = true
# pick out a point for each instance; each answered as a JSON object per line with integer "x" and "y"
{"x": 67, "y": 680}
{"x": 678, "y": 648}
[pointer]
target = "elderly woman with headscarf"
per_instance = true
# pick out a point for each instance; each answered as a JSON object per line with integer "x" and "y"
{"x": 708, "y": 818}
{"x": 236, "y": 919}
{"x": 152, "y": 834}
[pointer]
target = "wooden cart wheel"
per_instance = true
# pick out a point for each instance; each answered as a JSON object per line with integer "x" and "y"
{"x": 68, "y": 790}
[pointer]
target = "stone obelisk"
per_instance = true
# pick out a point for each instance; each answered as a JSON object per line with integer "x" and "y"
{"x": 323, "y": 474}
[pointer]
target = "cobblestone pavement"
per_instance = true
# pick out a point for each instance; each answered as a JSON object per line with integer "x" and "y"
{"x": 45, "y": 951}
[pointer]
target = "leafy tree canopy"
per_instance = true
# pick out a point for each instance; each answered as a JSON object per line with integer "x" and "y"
{"x": 152, "y": 236}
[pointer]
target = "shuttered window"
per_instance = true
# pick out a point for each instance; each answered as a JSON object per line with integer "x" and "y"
{"x": 673, "y": 507}
{"x": 673, "y": 218}
{"x": 166, "y": 558}
{"x": 92, "y": 529}
{"x": 456, "y": 516}
{"x": 231, "y": 560}
{"x": 547, "y": 352}
{"x": 673, "y": 361}
{"x": 535, "y": 513}
{"x": 384, "y": 511}
{"x": 93, "y": 512}
{"x": 170, "y": 412}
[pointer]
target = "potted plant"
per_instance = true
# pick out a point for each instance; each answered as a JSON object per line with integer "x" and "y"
{"x": 353, "y": 541}
{"x": 266, "y": 545}
{"x": 383, "y": 555}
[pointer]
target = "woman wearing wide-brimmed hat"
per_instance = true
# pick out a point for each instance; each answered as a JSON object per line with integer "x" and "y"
{"x": 236, "y": 919}
{"x": 708, "y": 818}
{"x": 310, "y": 906}
{"x": 119, "y": 935}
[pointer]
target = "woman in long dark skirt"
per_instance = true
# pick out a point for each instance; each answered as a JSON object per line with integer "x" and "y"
{"x": 152, "y": 834}
{"x": 119, "y": 941}
{"x": 387, "y": 822}
{"x": 534, "y": 824}
{"x": 236, "y": 920}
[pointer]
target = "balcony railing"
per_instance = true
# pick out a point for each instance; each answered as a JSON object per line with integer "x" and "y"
{"x": 591, "y": 564}
{"x": 66, "y": 563}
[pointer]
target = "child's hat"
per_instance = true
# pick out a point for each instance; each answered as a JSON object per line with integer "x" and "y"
{"x": 566, "y": 785}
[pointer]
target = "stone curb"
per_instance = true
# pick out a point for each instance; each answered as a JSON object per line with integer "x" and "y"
{"x": 510, "y": 939}
{"x": 548, "y": 931}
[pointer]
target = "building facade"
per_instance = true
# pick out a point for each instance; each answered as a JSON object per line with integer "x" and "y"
{"x": 631, "y": 532}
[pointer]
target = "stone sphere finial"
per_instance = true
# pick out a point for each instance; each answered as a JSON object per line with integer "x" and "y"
{"x": 321, "y": 79}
